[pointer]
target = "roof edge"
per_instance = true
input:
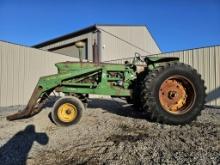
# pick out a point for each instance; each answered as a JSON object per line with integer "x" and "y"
{"x": 66, "y": 36}
{"x": 79, "y": 32}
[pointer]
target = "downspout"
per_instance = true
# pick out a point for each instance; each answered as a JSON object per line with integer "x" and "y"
{"x": 99, "y": 46}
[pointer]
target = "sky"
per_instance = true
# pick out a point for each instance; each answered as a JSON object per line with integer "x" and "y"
{"x": 174, "y": 24}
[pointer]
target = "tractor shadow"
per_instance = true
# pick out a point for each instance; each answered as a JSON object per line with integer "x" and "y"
{"x": 50, "y": 102}
{"x": 115, "y": 106}
{"x": 119, "y": 107}
{"x": 15, "y": 151}
{"x": 213, "y": 95}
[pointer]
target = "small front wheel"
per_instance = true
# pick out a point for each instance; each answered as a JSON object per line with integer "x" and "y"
{"x": 67, "y": 111}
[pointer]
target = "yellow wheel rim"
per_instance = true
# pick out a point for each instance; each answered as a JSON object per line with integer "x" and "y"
{"x": 67, "y": 112}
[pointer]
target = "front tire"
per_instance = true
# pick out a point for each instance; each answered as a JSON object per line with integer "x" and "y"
{"x": 173, "y": 93}
{"x": 67, "y": 111}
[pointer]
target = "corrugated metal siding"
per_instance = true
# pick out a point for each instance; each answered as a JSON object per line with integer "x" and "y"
{"x": 124, "y": 41}
{"x": 206, "y": 61}
{"x": 20, "y": 70}
{"x": 217, "y": 75}
{"x": 90, "y": 37}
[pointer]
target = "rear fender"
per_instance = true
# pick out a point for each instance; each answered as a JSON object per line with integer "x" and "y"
{"x": 156, "y": 60}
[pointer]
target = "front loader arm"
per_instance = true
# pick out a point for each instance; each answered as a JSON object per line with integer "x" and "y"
{"x": 30, "y": 109}
{"x": 43, "y": 89}
{"x": 39, "y": 95}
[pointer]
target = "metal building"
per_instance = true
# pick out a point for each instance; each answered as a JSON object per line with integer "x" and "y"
{"x": 20, "y": 66}
{"x": 207, "y": 62}
{"x": 104, "y": 42}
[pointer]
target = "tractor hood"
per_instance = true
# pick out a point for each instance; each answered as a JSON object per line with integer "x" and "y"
{"x": 73, "y": 66}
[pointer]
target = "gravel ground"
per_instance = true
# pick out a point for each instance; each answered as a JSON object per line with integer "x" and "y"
{"x": 110, "y": 132}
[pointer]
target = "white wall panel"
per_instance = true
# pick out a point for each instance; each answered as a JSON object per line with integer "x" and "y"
{"x": 20, "y": 70}
{"x": 123, "y": 41}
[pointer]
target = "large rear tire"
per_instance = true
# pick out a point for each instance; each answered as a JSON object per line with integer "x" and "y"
{"x": 173, "y": 93}
{"x": 136, "y": 93}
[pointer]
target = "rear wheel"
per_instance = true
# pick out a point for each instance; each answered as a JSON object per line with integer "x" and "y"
{"x": 67, "y": 111}
{"x": 136, "y": 94}
{"x": 173, "y": 93}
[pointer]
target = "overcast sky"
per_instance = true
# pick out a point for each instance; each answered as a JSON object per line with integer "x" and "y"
{"x": 175, "y": 24}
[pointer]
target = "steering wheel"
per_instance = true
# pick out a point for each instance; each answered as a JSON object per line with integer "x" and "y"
{"x": 137, "y": 57}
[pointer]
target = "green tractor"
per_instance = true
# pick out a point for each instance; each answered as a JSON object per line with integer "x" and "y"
{"x": 169, "y": 91}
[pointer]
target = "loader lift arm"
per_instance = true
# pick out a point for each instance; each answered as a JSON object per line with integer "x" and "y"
{"x": 43, "y": 89}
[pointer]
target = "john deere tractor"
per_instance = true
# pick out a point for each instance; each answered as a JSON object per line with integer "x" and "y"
{"x": 169, "y": 91}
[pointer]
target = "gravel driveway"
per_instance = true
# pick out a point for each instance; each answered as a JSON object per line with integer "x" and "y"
{"x": 110, "y": 132}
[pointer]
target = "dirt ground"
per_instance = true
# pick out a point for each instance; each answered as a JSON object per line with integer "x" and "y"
{"x": 110, "y": 132}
